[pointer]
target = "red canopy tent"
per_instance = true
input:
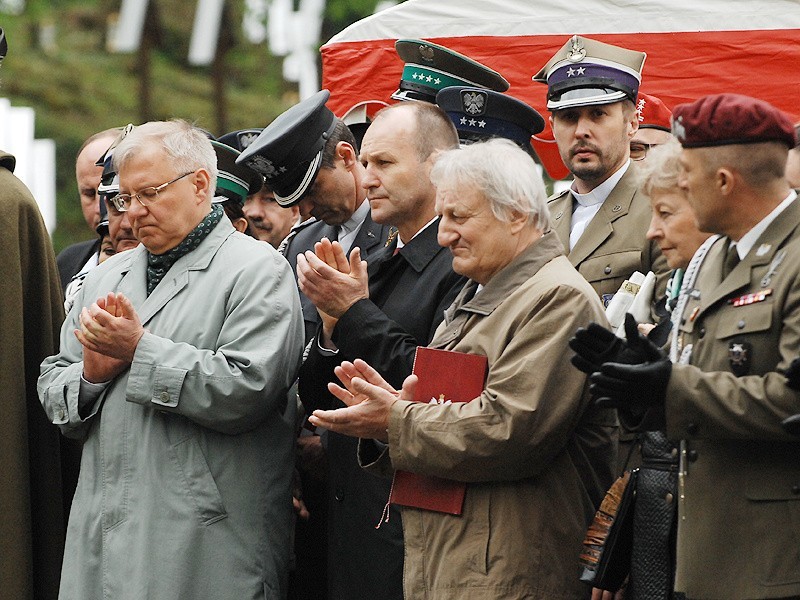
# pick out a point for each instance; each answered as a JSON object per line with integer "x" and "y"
{"x": 693, "y": 48}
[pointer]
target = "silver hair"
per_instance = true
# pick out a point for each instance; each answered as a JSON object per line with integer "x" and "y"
{"x": 185, "y": 144}
{"x": 661, "y": 169}
{"x": 504, "y": 173}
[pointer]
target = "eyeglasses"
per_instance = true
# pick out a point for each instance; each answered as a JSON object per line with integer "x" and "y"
{"x": 146, "y": 197}
{"x": 639, "y": 150}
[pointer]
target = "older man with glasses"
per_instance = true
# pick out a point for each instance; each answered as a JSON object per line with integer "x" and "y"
{"x": 174, "y": 370}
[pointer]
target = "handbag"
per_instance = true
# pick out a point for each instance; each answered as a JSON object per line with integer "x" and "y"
{"x": 606, "y": 555}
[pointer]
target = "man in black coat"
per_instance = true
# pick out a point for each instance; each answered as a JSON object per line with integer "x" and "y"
{"x": 381, "y": 313}
{"x": 309, "y": 159}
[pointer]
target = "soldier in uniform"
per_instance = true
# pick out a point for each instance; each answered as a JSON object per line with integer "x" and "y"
{"x": 309, "y": 160}
{"x": 737, "y": 331}
{"x": 602, "y": 219}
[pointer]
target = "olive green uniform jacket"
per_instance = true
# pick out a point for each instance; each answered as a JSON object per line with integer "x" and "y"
{"x": 614, "y": 244}
{"x": 537, "y": 457}
{"x": 739, "y": 500}
{"x": 612, "y": 247}
{"x": 32, "y": 527}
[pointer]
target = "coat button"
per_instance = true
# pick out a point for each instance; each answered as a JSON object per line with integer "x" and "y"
{"x": 669, "y": 498}
{"x": 674, "y": 453}
{"x": 339, "y": 494}
{"x": 691, "y": 428}
{"x": 701, "y": 334}
{"x": 607, "y": 270}
{"x": 164, "y": 396}
{"x": 796, "y": 489}
{"x": 691, "y": 455}
{"x": 740, "y": 324}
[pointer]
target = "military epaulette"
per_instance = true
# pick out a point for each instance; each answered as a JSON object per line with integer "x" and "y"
{"x": 558, "y": 196}
{"x": 300, "y": 226}
{"x": 293, "y": 232}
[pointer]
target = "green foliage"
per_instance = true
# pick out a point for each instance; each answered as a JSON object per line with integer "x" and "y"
{"x": 78, "y": 88}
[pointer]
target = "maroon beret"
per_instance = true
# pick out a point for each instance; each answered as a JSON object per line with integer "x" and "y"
{"x": 723, "y": 119}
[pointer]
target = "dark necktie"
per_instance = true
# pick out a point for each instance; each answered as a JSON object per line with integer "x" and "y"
{"x": 333, "y": 233}
{"x": 731, "y": 260}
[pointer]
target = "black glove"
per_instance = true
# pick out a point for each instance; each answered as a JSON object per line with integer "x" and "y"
{"x": 792, "y": 424}
{"x": 793, "y": 375}
{"x": 595, "y": 345}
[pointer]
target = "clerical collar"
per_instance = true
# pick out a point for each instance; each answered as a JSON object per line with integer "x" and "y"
{"x": 599, "y": 194}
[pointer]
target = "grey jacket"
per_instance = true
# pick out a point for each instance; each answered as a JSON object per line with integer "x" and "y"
{"x": 184, "y": 491}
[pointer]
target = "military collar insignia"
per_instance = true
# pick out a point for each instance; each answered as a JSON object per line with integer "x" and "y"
{"x": 763, "y": 249}
{"x": 773, "y": 267}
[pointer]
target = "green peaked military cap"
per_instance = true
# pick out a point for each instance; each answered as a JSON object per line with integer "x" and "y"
{"x": 430, "y": 68}
{"x": 234, "y": 181}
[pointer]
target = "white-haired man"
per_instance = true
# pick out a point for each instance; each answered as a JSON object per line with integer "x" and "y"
{"x": 174, "y": 368}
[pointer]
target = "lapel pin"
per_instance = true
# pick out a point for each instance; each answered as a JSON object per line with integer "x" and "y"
{"x": 559, "y": 215}
{"x": 616, "y": 208}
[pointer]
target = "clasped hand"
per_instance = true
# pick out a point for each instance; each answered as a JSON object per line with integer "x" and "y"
{"x": 329, "y": 280}
{"x": 368, "y": 399}
{"x": 109, "y": 332}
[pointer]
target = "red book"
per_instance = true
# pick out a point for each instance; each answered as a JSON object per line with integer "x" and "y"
{"x": 444, "y": 376}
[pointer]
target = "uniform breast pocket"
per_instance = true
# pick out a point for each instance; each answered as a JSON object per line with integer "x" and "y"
{"x": 606, "y": 272}
{"x": 746, "y": 333}
{"x": 745, "y": 320}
